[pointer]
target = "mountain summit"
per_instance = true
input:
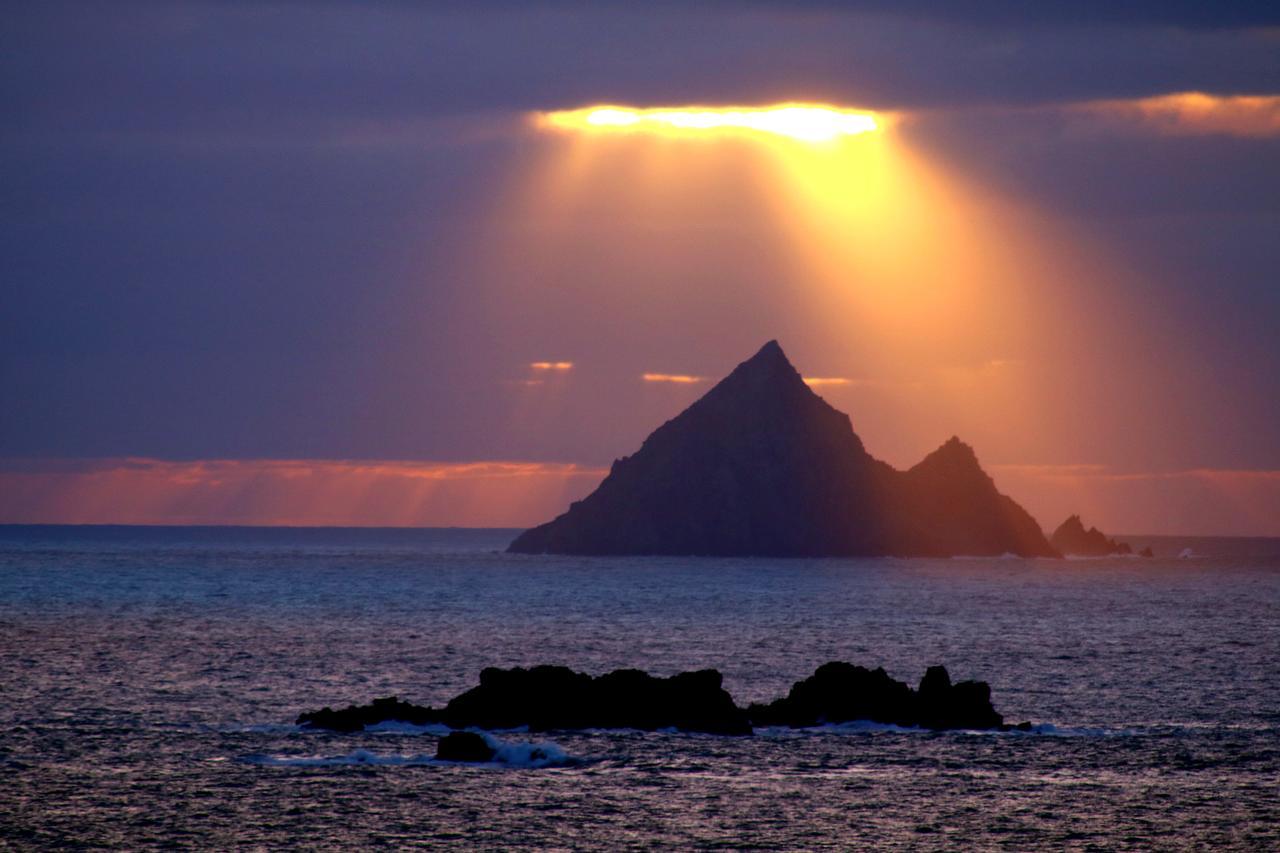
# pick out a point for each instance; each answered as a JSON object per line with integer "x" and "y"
{"x": 763, "y": 466}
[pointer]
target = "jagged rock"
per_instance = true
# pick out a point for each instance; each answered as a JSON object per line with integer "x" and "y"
{"x": 1146, "y": 552}
{"x": 1072, "y": 539}
{"x": 353, "y": 718}
{"x": 840, "y": 692}
{"x": 763, "y": 466}
{"x": 464, "y": 746}
{"x": 556, "y": 697}
{"x": 964, "y": 705}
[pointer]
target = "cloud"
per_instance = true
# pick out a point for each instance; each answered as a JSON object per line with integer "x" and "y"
{"x": 1206, "y": 501}
{"x": 292, "y": 492}
{"x": 551, "y": 365}
{"x": 674, "y": 378}
{"x": 1196, "y": 114}
{"x": 819, "y": 381}
{"x": 362, "y": 74}
{"x": 490, "y": 493}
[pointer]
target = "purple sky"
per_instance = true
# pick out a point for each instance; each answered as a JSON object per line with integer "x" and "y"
{"x": 238, "y": 230}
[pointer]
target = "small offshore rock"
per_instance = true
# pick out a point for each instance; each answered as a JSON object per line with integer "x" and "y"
{"x": 1072, "y": 539}
{"x": 464, "y": 746}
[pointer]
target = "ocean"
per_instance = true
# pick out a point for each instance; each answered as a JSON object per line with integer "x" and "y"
{"x": 151, "y": 677}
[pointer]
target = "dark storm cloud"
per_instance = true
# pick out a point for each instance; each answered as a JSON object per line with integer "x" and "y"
{"x": 273, "y": 68}
{"x": 1191, "y": 14}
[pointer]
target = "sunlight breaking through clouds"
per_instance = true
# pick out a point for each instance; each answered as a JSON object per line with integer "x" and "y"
{"x": 803, "y": 122}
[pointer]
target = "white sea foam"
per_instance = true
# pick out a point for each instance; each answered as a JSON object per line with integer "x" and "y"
{"x": 523, "y": 754}
{"x": 356, "y": 757}
{"x": 506, "y": 754}
{"x": 396, "y": 727}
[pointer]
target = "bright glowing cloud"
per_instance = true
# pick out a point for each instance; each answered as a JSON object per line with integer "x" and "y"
{"x": 675, "y": 378}
{"x": 551, "y": 365}
{"x": 804, "y": 122}
{"x": 819, "y": 381}
{"x": 1194, "y": 113}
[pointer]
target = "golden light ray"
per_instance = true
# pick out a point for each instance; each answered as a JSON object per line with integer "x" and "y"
{"x": 804, "y": 122}
{"x": 955, "y": 305}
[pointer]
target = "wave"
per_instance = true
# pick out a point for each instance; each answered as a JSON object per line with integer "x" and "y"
{"x": 1070, "y": 731}
{"x": 524, "y": 754}
{"x": 868, "y": 726}
{"x": 506, "y": 754}
{"x": 357, "y": 757}
{"x": 395, "y": 727}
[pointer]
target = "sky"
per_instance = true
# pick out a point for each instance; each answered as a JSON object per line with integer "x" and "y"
{"x": 321, "y": 263}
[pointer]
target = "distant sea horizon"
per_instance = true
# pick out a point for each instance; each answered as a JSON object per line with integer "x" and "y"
{"x": 1168, "y": 545}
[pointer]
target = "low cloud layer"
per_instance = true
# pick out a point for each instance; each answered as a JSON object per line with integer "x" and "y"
{"x": 1203, "y": 501}
{"x": 305, "y": 492}
{"x": 289, "y": 492}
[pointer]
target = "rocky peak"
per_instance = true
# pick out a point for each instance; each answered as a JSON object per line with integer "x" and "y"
{"x": 762, "y": 465}
{"x": 952, "y": 458}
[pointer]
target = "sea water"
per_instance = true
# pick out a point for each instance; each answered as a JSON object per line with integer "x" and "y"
{"x": 150, "y": 678}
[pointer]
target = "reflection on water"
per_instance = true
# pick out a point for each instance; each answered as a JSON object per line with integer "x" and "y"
{"x": 151, "y": 678}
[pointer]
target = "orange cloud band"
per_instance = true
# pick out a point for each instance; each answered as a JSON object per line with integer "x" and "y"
{"x": 1200, "y": 501}
{"x": 1195, "y": 113}
{"x": 311, "y": 492}
{"x": 290, "y": 492}
{"x": 677, "y": 378}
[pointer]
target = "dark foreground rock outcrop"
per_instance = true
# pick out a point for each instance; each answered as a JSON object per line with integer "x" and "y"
{"x": 841, "y": 692}
{"x": 547, "y": 698}
{"x": 556, "y": 697}
{"x": 763, "y": 466}
{"x": 353, "y": 718}
{"x": 1072, "y": 539}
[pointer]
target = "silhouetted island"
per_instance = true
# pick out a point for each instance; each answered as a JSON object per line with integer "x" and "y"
{"x": 547, "y": 698}
{"x": 763, "y": 466}
{"x": 1073, "y": 540}
{"x": 556, "y": 697}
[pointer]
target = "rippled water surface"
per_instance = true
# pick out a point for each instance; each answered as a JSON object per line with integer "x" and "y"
{"x": 151, "y": 676}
